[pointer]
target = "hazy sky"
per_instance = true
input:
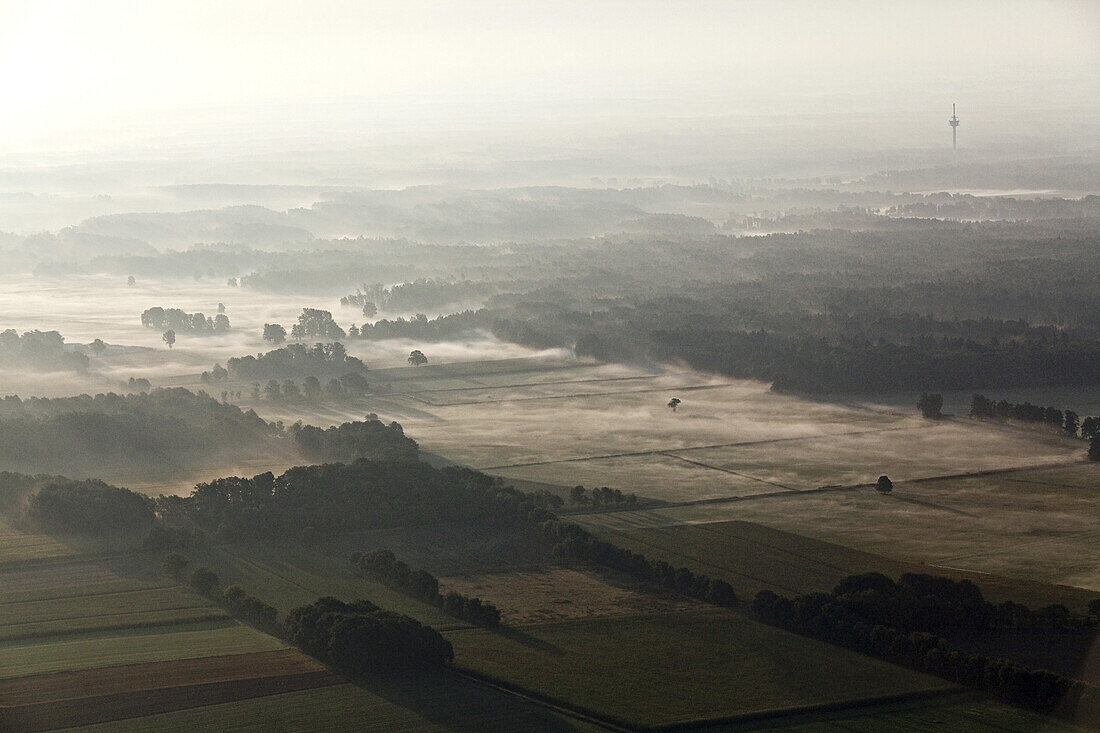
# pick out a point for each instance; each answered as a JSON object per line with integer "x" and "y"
{"x": 158, "y": 65}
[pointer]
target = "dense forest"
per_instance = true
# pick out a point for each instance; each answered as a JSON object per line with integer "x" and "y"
{"x": 366, "y": 494}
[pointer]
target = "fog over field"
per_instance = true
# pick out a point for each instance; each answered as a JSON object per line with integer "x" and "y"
{"x": 550, "y": 365}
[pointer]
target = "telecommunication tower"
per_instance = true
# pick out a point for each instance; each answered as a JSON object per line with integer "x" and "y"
{"x": 954, "y": 122}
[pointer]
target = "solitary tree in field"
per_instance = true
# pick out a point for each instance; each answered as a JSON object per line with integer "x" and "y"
{"x": 674, "y": 403}
{"x": 274, "y": 333}
{"x": 98, "y": 347}
{"x": 884, "y": 485}
{"x": 130, "y": 281}
{"x": 931, "y": 405}
{"x": 169, "y": 337}
{"x": 417, "y": 358}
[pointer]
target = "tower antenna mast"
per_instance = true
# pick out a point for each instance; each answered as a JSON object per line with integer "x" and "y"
{"x": 954, "y": 122}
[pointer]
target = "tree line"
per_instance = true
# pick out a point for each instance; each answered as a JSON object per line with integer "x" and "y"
{"x": 39, "y": 351}
{"x": 364, "y": 494}
{"x": 853, "y": 616}
{"x": 572, "y": 544}
{"x": 86, "y": 434}
{"x": 383, "y": 567}
{"x": 178, "y": 321}
{"x": 1067, "y": 422}
{"x": 311, "y": 390}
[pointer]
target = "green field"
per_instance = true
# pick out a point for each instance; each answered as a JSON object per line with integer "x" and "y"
{"x": 752, "y": 557}
{"x": 444, "y": 704}
{"x": 952, "y": 714}
{"x": 665, "y": 669}
{"x": 448, "y": 549}
{"x": 85, "y": 651}
{"x": 78, "y": 576}
{"x": 17, "y": 546}
{"x": 291, "y": 576}
{"x": 1040, "y": 524}
{"x": 564, "y": 422}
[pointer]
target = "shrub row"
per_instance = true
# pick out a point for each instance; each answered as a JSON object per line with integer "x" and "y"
{"x": 383, "y": 567}
{"x": 826, "y": 617}
{"x": 573, "y": 544}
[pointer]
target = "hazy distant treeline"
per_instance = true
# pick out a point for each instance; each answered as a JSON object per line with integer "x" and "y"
{"x": 171, "y": 428}
{"x": 38, "y": 351}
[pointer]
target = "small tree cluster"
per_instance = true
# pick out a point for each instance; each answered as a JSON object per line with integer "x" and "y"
{"x": 217, "y": 374}
{"x": 930, "y": 405}
{"x": 602, "y": 497}
{"x": 361, "y": 638}
{"x": 176, "y": 320}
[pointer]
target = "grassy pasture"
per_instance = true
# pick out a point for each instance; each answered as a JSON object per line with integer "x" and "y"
{"x": 291, "y": 576}
{"x": 447, "y": 703}
{"x": 658, "y": 476}
{"x": 68, "y": 595}
{"x": 18, "y": 546}
{"x": 752, "y": 557}
{"x": 451, "y": 549}
{"x": 545, "y": 595}
{"x": 104, "y": 649}
{"x": 99, "y": 604}
{"x": 563, "y": 423}
{"x": 78, "y": 576}
{"x": 48, "y": 701}
{"x": 666, "y": 669}
{"x": 951, "y": 714}
{"x": 1040, "y": 525}
{"x": 924, "y": 450}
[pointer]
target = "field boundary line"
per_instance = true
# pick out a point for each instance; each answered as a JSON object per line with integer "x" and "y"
{"x": 546, "y": 701}
{"x": 729, "y": 470}
{"x": 660, "y": 451}
{"x": 221, "y": 622}
{"x": 817, "y": 490}
{"x": 100, "y": 594}
{"x": 764, "y": 716}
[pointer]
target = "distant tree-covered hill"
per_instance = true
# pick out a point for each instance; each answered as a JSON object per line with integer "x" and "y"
{"x": 85, "y": 435}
